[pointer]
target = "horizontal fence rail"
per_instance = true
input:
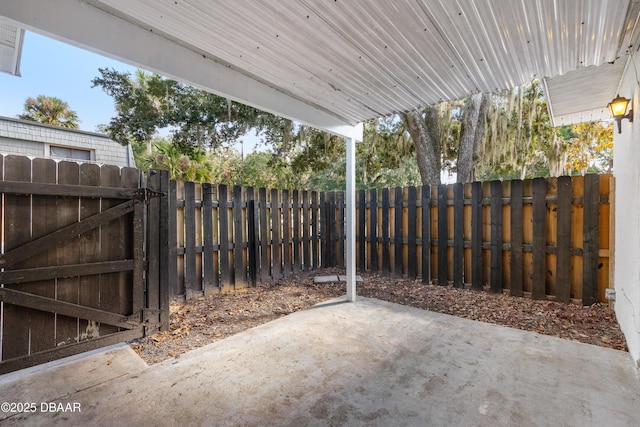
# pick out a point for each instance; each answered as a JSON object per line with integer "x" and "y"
{"x": 540, "y": 238}
{"x": 228, "y": 238}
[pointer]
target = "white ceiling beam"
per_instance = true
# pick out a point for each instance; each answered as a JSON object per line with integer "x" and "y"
{"x": 83, "y": 25}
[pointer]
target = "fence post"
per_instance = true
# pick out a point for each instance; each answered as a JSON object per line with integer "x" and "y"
{"x": 397, "y": 233}
{"x": 426, "y": 234}
{"x": 442, "y": 235}
{"x": 496, "y": 236}
{"x": 476, "y": 235}
{"x": 384, "y": 234}
{"x": 252, "y": 237}
{"x": 265, "y": 259}
{"x": 362, "y": 227}
{"x": 239, "y": 267}
{"x": 411, "y": 233}
{"x": 373, "y": 228}
{"x": 458, "y": 235}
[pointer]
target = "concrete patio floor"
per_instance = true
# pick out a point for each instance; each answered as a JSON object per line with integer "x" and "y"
{"x": 365, "y": 363}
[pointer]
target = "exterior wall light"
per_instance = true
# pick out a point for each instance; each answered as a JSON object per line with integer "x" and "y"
{"x": 618, "y": 107}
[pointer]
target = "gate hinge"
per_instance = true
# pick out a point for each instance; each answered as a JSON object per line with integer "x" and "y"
{"x": 150, "y": 321}
{"x": 144, "y": 194}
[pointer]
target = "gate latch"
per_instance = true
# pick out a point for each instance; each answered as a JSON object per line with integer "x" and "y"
{"x": 144, "y": 194}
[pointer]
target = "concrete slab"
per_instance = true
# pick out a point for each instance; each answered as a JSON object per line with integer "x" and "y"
{"x": 60, "y": 379}
{"x": 368, "y": 363}
{"x": 326, "y": 279}
{"x": 334, "y": 279}
{"x": 344, "y": 278}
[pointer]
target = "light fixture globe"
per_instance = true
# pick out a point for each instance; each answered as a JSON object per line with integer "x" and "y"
{"x": 618, "y": 107}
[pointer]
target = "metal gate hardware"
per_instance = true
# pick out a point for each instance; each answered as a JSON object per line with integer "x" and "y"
{"x": 144, "y": 194}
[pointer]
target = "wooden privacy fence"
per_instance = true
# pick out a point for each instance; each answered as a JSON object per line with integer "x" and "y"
{"x": 542, "y": 238}
{"x": 72, "y": 259}
{"x": 227, "y": 238}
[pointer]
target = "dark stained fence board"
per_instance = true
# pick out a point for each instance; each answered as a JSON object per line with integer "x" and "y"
{"x": 538, "y": 287}
{"x": 324, "y": 208}
{"x": 412, "y": 249}
{"x": 172, "y": 268}
{"x": 191, "y": 287}
{"x": 114, "y": 286}
{"x": 133, "y": 284}
{"x": 496, "y": 236}
{"x": 276, "y": 243}
{"x": 89, "y": 287}
{"x": 341, "y": 236}
{"x": 315, "y": 233}
{"x": 476, "y": 235}
{"x": 373, "y": 228}
{"x": 223, "y": 218}
{"x": 286, "y": 233}
{"x": 265, "y": 260}
{"x": 330, "y": 229}
{"x": 252, "y": 237}
{"x": 209, "y": 284}
{"x": 306, "y": 228}
{"x": 590, "y": 245}
{"x": 385, "y": 233}
{"x": 297, "y": 258}
{"x": 42, "y": 324}
{"x": 516, "y": 263}
{"x": 442, "y": 234}
{"x": 397, "y": 232}
{"x": 67, "y": 289}
{"x": 362, "y": 233}
{"x": 458, "y": 235}
{"x": 426, "y": 234}
{"x": 170, "y": 282}
{"x": 563, "y": 254}
{"x": 239, "y": 266}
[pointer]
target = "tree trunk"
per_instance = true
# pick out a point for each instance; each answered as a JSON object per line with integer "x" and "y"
{"x": 473, "y": 123}
{"x": 425, "y": 134}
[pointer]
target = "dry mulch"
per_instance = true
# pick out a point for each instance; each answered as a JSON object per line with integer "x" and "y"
{"x": 205, "y": 320}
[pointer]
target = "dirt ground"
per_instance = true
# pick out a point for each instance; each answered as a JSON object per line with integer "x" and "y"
{"x": 205, "y": 320}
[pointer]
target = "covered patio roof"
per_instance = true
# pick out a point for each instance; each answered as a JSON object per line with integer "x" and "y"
{"x": 334, "y": 64}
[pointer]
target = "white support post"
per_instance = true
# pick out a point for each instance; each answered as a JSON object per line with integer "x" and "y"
{"x": 351, "y": 219}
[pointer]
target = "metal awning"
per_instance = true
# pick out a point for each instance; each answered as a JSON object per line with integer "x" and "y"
{"x": 342, "y": 62}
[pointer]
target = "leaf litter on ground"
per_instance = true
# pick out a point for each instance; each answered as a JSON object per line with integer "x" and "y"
{"x": 204, "y": 320}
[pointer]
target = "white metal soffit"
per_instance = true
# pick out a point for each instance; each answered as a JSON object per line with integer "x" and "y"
{"x": 348, "y": 59}
{"x": 11, "y": 39}
{"x": 582, "y": 95}
{"x": 366, "y": 58}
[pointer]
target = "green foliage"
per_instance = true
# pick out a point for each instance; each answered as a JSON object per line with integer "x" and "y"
{"x": 192, "y": 166}
{"x": 148, "y": 102}
{"x": 49, "y": 110}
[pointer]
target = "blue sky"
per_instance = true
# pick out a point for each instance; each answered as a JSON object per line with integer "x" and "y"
{"x": 52, "y": 68}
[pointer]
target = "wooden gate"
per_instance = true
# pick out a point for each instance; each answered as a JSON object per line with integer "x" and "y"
{"x": 72, "y": 263}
